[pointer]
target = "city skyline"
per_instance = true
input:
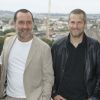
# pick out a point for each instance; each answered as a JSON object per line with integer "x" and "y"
{"x": 57, "y": 6}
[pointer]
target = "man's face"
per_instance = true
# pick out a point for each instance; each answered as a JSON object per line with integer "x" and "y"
{"x": 24, "y": 23}
{"x": 76, "y": 25}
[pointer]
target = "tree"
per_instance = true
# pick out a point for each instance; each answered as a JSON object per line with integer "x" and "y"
{"x": 9, "y": 30}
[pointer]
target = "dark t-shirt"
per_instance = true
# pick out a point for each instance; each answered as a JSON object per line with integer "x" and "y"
{"x": 73, "y": 84}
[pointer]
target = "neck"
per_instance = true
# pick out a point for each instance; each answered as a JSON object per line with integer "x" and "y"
{"x": 76, "y": 40}
{"x": 25, "y": 38}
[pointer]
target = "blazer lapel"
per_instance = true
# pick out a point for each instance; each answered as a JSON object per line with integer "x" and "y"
{"x": 32, "y": 51}
{"x": 11, "y": 43}
{"x": 7, "y": 50}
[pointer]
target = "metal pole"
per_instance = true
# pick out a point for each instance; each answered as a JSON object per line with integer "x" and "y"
{"x": 48, "y": 19}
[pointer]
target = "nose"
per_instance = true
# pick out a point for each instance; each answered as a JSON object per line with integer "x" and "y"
{"x": 76, "y": 25}
{"x": 25, "y": 25}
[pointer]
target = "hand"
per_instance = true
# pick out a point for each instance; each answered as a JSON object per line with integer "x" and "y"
{"x": 58, "y": 97}
{"x": 89, "y": 98}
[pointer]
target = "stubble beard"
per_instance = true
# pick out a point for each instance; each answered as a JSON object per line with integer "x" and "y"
{"x": 22, "y": 35}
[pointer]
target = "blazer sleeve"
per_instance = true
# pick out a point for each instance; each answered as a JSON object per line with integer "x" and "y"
{"x": 48, "y": 74}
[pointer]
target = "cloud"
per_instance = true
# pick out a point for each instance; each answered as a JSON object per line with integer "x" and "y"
{"x": 57, "y": 6}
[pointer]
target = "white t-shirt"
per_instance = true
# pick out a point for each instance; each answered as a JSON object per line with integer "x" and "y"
{"x": 16, "y": 66}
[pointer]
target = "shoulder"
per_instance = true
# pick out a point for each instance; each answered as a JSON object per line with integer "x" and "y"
{"x": 92, "y": 41}
{"x": 93, "y": 44}
{"x": 10, "y": 38}
{"x": 60, "y": 42}
{"x": 41, "y": 43}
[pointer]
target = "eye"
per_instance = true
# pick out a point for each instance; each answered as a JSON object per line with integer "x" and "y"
{"x": 21, "y": 22}
{"x": 79, "y": 22}
{"x": 72, "y": 22}
{"x": 28, "y": 22}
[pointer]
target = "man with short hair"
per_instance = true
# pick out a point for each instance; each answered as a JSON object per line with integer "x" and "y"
{"x": 76, "y": 62}
{"x": 27, "y": 72}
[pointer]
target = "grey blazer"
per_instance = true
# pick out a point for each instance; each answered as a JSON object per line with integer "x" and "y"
{"x": 38, "y": 75}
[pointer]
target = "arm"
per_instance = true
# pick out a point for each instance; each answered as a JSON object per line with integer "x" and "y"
{"x": 54, "y": 89}
{"x": 58, "y": 97}
{"x": 2, "y": 89}
{"x": 48, "y": 76}
{"x": 97, "y": 88}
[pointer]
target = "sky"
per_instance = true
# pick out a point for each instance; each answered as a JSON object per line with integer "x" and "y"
{"x": 57, "y": 6}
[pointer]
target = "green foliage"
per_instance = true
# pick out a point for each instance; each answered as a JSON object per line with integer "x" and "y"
{"x": 9, "y": 30}
{"x": 1, "y": 39}
{"x": 1, "y": 43}
{"x": 94, "y": 26}
{"x": 35, "y": 28}
{"x": 1, "y": 33}
{"x": 48, "y": 41}
{"x": 63, "y": 29}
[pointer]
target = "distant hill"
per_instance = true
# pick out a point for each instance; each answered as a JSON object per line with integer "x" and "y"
{"x": 10, "y": 14}
{"x": 6, "y": 14}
